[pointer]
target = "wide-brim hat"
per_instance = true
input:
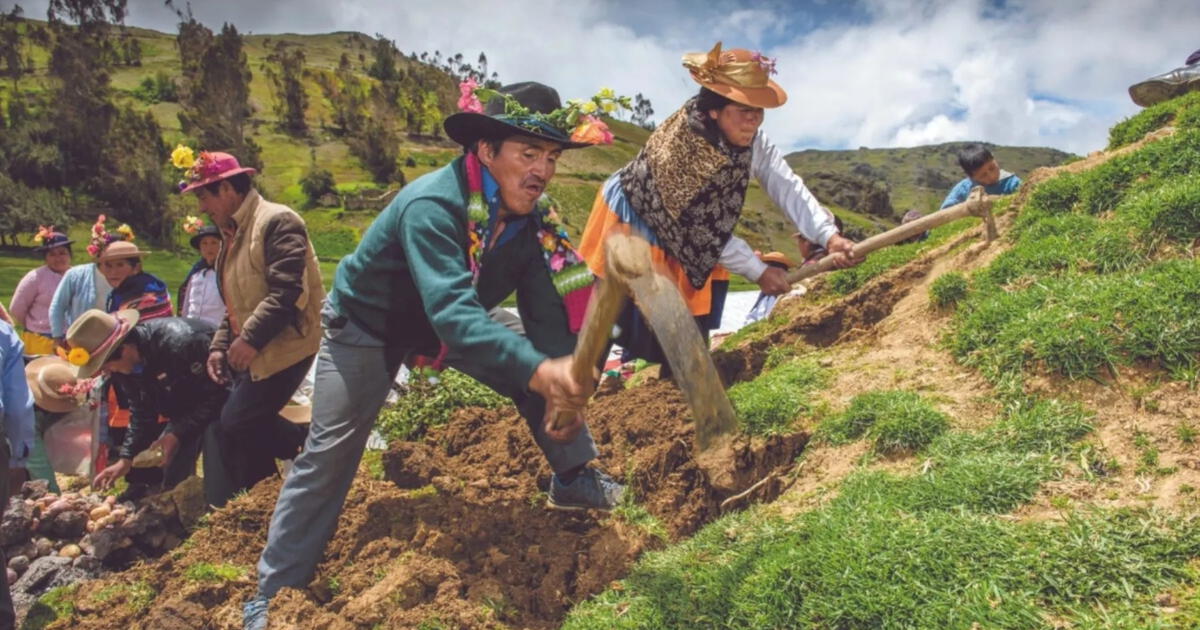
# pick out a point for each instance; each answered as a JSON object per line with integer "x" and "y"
{"x": 778, "y": 258}
{"x": 117, "y": 250}
{"x": 46, "y": 377}
{"x": 54, "y": 240}
{"x": 737, "y": 74}
{"x": 99, "y": 333}
{"x": 208, "y": 230}
{"x": 212, "y": 166}
{"x": 466, "y": 128}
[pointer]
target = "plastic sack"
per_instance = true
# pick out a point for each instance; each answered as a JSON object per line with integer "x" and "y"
{"x": 70, "y": 441}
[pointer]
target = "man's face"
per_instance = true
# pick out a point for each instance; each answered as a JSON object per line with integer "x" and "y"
{"x": 210, "y": 246}
{"x": 58, "y": 259}
{"x": 738, "y": 122}
{"x": 116, "y": 271}
{"x": 987, "y": 174}
{"x": 221, "y": 206}
{"x": 523, "y": 166}
{"x": 123, "y": 361}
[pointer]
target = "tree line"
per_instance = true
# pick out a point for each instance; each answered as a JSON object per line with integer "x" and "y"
{"x": 69, "y": 149}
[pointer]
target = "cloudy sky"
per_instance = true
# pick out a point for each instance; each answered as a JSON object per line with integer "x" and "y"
{"x": 877, "y": 73}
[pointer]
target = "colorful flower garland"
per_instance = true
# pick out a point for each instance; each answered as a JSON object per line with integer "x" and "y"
{"x": 192, "y": 224}
{"x": 576, "y": 119}
{"x": 101, "y": 237}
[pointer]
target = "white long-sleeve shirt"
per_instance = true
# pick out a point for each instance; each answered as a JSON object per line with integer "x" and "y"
{"x": 787, "y": 190}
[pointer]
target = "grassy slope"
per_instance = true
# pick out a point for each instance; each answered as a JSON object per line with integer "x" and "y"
{"x": 1101, "y": 273}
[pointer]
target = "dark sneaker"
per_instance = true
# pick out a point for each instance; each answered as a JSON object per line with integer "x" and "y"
{"x": 1166, "y": 86}
{"x": 591, "y": 490}
{"x": 254, "y": 613}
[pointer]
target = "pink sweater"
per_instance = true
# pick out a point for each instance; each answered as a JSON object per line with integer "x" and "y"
{"x": 31, "y": 302}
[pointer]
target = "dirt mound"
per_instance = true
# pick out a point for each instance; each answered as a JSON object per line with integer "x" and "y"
{"x": 846, "y": 319}
{"x": 457, "y": 532}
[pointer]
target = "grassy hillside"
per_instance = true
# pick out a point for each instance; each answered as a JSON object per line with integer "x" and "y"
{"x": 918, "y": 177}
{"x": 1012, "y": 446}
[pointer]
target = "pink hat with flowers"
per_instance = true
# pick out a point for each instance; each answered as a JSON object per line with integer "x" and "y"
{"x": 206, "y": 168}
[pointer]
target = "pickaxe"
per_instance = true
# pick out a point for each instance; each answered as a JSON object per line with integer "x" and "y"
{"x": 629, "y": 272}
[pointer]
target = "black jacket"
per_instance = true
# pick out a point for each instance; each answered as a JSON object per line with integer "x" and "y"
{"x": 173, "y": 382}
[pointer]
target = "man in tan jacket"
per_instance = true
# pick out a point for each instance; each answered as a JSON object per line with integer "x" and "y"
{"x": 268, "y": 276}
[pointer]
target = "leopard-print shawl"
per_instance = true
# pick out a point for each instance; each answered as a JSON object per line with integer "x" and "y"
{"x": 688, "y": 184}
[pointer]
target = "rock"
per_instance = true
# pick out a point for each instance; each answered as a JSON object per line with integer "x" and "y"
{"x": 69, "y": 524}
{"x": 105, "y": 542}
{"x": 87, "y": 563}
{"x": 852, "y": 191}
{"x": 70, "y": 551}
{"x": 20, "y": 564}
{"x": 154, "y": 539}
{"x": 44, "y": 547}
{"x": 16, "y": 526}
{"x": 35, "y": 489}
{"x": 41, "y": 572}
{"x": 189, "y": 501}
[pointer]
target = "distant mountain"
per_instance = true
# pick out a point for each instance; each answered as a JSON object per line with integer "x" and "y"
{"x": 913, "y": 178}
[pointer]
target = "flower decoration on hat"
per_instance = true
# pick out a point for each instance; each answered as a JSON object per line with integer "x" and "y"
{"x": 467, "y": 100}
{"x": 44, "y": 232}
{"x": 195, "y": 167}
{"x": 125, "y": 231}
{"x": 101, "y": 237}
{"x": 183, "y": 157}
{"x": 192, "y": 224}
{"x": 80, "y": 389}
{"x": 764, "y": 62}
{"x": 78, "y": 356}
{"x": 576, "y": 119}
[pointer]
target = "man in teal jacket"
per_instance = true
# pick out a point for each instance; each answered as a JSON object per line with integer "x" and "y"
{"x": 450, "y": 246}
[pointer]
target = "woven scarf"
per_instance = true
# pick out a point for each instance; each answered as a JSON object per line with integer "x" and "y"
{"x": 689, "y": 184}
{"x": 143, "y": 292}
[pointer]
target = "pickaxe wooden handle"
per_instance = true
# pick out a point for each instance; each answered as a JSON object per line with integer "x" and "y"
{"x": 624, "y": 258}
{"x": 603, "y": 310}
{"x": 978, "y": 204}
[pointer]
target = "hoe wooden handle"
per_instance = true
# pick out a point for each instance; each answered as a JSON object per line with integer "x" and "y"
{"x": 979, "y": 205}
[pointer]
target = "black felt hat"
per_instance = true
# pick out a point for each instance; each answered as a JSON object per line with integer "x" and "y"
{"x": 56, "y": 239}
{"x": 466, "y": 128}
{"x": 208, "y": 230}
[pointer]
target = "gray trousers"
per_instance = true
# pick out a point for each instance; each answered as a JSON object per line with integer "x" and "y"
{"x": 352, "y": 381}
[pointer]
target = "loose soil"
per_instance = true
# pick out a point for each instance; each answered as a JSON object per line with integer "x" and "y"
{"x": 457, "y": 532}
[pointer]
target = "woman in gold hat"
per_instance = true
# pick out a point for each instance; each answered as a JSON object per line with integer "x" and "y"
{"x": 685, "y": 190}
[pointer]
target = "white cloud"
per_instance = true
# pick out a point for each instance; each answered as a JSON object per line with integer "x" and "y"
{"x": 1030, "y": 72}
{"x": 1034, "y": 73}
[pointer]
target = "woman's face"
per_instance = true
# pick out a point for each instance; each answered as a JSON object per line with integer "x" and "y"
{"x": 738, "y": 122}
{"x": 210, "y": 246}
{"x": 58, "y": 259}
{"x": 116, "y": 271}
